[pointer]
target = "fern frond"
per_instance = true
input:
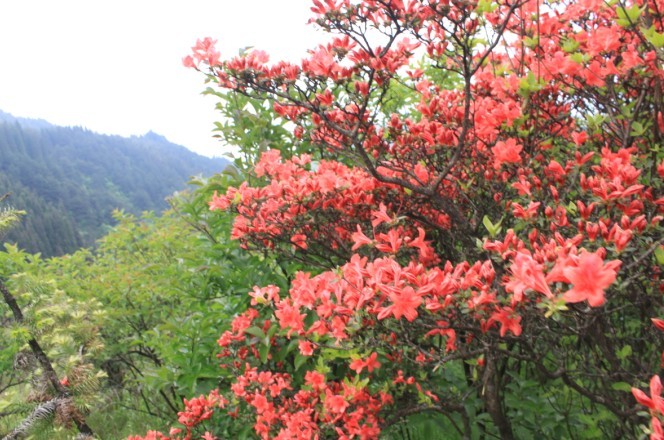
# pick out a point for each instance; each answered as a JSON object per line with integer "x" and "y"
{"x": 8, "y": 217}
{"x": 42, "y": 412}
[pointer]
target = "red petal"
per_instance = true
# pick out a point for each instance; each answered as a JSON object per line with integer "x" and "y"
{"x": 655, "y": 387}
{"x": 642, "y": 398}
{"x": 575, "y": 295}
{"x": 659, "y": 323}
{"x": 657, "y": 427}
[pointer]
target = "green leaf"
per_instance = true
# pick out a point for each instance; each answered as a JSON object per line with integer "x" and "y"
{"x": 659, "y": 255}
{"x": 331, "y": 353}
{"x": 281, "y": 355}
{"x": 624, "y": 352}
{"x": 485, "y": 6}
{"x": 628, "y": 17}
{"x": 529, "y": 84}
{"x": 622, "y": 386}
{"x": 531, "y": 42}
{"x": 299, "y": 361}
{"x": 578, "y": 58}
{"x": 655, "y": 38}
{"x": 272, "y": 331}
{"x": 493, "y": 229}
{"x": 570, "y": 45}
{"x": 637, "y": 129}
{"x": 246, "y": 433}
{"x": 255, "y": 331}
{"x": 263, "y": 352}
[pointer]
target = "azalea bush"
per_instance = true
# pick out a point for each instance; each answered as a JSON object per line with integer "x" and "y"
{"x": 473, "y": 192}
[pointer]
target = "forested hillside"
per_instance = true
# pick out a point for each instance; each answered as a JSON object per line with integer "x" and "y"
{"x": 69, "y": 180}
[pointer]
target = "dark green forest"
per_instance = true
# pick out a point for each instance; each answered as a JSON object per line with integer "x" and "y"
{"x": 69, "y": 180}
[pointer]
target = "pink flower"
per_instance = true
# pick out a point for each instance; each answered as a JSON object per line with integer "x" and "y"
{"x": 371, "y": 363}
{"x": 299, "y": 240}
{"x": 654, "y": 402}
{"x": 290, "y": 317}
{"x": 359, "y": 239}
{"x": 188, "y": 61}
{"x": 315, "y": 379}
{"x": 322, "y": 62}
{"x": 335, "y": 404}
{"x": 506, "y": 152}
{"x": 527, "y": 274}
{"x": 508, "y": 321}
{"x": 380, "y": 216}
{"x": 260, "y": 402}
{"x": 204, "y": 51}
{"x": 589, "y": 278}
{"x": 404, "y": 303}
{"x": 306, "y": 348}
{"x": 218, "y": 202}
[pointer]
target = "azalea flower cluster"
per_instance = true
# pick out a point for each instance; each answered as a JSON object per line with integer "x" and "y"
{"x": 485, "y": 205}
{"x": 321, "y": 407}
{"x": 267, "y": 214}
{"x": 322, "y": 209}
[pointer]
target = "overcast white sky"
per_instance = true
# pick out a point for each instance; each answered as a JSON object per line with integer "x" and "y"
{"x": 115, "y": 67}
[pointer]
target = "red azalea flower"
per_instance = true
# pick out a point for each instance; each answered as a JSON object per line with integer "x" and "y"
{"x": 589, "y": 278}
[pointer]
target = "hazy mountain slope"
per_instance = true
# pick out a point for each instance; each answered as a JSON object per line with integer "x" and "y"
{"x": 70, "y": 179}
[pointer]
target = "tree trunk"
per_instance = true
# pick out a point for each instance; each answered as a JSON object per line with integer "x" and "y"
{"x": 493, "y": 399}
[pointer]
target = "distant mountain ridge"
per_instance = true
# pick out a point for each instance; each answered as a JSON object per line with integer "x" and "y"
{"x": 25, "y": 122}
{"x": 70, "y": 179}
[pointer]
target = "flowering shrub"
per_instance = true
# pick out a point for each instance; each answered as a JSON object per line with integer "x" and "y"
{"x": 655, "y": 404}
{"x": 476, "y": 201}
